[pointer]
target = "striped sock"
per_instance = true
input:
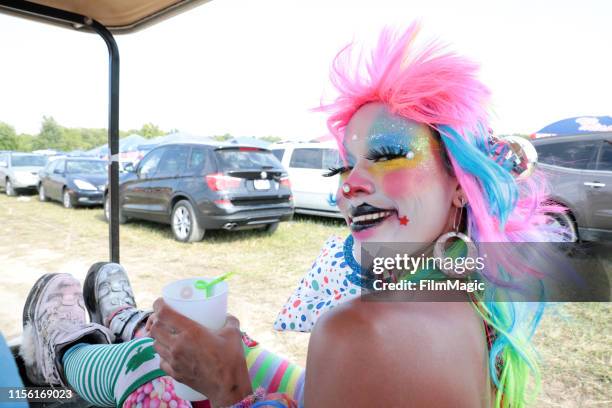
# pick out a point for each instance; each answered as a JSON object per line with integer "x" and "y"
{"x": 106, "y": 374}
{"x": 274, "y": 373}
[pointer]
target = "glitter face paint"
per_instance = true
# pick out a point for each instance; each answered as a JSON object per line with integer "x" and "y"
{"x": 395, "y": 166}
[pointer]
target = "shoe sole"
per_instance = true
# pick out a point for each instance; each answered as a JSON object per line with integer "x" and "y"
{"x": 34, "y": 297}
{"x": 89, "y": 293}
{"x": 28, "y": 313}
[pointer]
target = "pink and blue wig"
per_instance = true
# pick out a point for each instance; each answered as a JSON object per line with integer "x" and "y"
{"x": 437, "y": 87}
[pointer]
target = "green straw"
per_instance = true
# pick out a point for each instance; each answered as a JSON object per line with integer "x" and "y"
{"x": 208, "y": 286}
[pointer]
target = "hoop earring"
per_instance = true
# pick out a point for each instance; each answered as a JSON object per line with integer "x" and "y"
{"x": 439, "y": 250}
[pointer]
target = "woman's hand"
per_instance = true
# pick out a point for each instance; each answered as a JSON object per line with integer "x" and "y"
{"x": 211, "y": 362}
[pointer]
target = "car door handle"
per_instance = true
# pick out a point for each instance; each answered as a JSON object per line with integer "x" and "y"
{"x": 594, "y": 184}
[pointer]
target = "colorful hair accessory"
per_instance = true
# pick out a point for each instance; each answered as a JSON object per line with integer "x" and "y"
{"x": 515, "y": 154}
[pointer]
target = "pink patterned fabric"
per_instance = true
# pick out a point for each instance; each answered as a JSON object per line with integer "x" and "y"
{"x": 158, "y": 393}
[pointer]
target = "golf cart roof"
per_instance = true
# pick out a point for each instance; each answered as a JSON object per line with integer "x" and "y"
{"x": 118, "y": 16}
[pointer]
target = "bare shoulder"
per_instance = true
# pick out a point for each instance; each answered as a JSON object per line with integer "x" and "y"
{"x": 397, "y": 354}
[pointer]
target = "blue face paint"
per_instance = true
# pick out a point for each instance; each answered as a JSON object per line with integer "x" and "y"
{"x": 390, "y": 131}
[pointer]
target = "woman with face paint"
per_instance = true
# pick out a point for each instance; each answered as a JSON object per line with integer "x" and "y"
{"x": 419, "y": 167}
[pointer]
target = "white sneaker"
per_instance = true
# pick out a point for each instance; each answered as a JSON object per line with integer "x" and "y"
{"x": 110, "y": 300}
{"x": 54, "y": 321}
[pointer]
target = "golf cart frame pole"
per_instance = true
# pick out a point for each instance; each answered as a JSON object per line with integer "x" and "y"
{"x": 82, "y": 22}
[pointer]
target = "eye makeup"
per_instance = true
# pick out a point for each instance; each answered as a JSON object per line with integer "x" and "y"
{"x": 395, "y": 143}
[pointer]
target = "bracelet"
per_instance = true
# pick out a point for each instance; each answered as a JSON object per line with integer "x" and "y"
{"x": 248, "y": 401}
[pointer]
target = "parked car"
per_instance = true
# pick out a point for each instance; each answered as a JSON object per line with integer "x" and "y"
{"x": 74, "y": 181}
{"x": 199, "y": 186}
{"x": 306, "y": 163}
{"x": 19, "y": 171}
{"x": 579, "y": 169}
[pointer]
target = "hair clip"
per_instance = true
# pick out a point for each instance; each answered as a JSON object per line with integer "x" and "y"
{"x": 515, "y": 154}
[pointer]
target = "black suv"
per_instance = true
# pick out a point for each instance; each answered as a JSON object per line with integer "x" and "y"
{"x": 199, "y": 186}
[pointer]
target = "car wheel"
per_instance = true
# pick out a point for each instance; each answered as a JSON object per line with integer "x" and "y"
{"x": 41, "y": 193}
{"x": 122, "y": 218}
{"x": 564, "y": 221}
{"x": 67, "y": 199}
{"x": 271, "y": 228}
{"x": 8, "y": 188}
{"x": 185, "y": 226}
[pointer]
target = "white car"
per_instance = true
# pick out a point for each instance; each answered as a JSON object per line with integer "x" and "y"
{"x": 20, "y": 171}
{"x": 306, "y": 163}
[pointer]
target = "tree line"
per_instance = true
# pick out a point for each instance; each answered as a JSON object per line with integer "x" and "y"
{"x": 54, "y": 136}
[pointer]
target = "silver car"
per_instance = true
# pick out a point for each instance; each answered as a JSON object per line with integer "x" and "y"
{"x": 20, "y": 171}
{"x": 579, "y": 170}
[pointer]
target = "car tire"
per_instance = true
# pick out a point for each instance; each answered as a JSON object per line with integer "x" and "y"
{"x": 271, "y": 228}
{"x": 67, "y": 199}
{"x": 122, "y": 218}
{"x": 565, "y": 220}
{"x": 184, "y": 223}
{"x": 8, "y": 188}
{"x": 41, "y": 193}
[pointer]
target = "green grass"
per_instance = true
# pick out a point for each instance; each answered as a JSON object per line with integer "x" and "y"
{"x": 574, "y": 339}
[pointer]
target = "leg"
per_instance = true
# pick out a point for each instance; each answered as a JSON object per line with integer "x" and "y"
{"x": 110, "y": 301}
{"x": 119, "y": 374}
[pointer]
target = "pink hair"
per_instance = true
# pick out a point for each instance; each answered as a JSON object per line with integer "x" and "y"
{"x": 428, "y": 85}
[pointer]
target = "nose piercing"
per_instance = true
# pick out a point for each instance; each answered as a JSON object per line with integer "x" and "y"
{"x": 346, "y": 188}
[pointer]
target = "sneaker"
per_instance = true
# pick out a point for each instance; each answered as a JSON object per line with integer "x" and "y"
{"x": 53, "y": 321}
{"x": 110, "y": 300}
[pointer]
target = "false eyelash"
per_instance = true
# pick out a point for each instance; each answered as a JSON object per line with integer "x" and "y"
{"x": 387, "y": 152}
{"x": 336, "y": 170}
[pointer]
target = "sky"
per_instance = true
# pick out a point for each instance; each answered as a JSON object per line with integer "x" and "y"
{"x": 257, "y": 68}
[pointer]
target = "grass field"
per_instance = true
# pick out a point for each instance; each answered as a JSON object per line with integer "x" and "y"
{"x": 35, "y": 238}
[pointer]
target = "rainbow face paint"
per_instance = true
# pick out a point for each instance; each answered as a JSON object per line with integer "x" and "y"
{"x": 393, "y": 166}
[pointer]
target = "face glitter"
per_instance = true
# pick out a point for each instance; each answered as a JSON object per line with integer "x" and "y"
{"x": 394, "y": 165}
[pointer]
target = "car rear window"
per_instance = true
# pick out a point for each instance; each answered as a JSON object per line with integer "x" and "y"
{"x": 236, "y": 159}
{"x": 22, "y": 160}
{"x": 278, "y": 153}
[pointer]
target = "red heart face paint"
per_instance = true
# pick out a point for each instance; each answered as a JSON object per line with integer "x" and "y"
{"x": 399, "y": 190}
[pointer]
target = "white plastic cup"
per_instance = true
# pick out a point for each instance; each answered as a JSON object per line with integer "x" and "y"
{"x": 210, "y": 312}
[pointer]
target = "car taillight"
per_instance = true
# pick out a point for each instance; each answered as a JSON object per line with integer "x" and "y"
{"x": 221, "y": 182}
{"x": 284, "y": 181}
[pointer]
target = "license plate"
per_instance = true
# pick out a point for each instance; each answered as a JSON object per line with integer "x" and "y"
{"x": 261, "y": 184}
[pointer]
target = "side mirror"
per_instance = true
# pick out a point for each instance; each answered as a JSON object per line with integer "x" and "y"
{"x": 57, "y": 171}
{"x": 130, "y": 168}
